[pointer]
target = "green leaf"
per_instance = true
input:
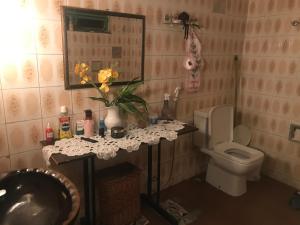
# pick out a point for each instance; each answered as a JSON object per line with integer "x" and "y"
{"x": 134, "y": 99}
{"x": 130, "y": 87}
{"x": 128, "y": 107}
{"x": 105, "y": 101}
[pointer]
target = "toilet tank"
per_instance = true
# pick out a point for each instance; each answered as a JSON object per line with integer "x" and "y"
{"x": 200, "y": 137}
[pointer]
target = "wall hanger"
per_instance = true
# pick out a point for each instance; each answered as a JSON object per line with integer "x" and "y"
{"x": 295, "y": 23}
{"x": 184, "y": 20}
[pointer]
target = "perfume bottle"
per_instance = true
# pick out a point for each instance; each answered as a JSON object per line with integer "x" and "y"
{"x": 88, "y": 124}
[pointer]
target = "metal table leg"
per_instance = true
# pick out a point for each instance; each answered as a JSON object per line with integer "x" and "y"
{"x": 149, "y": 182}
{"x": 89, "y": 191}
{"x": 148, "y": 198}
{"x": 158, "y": 173}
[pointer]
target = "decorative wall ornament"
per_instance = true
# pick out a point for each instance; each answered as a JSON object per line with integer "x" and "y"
{"x": 193, "y": 62}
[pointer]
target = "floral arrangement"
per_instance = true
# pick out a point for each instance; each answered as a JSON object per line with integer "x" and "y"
{"x": 124, "y": 97}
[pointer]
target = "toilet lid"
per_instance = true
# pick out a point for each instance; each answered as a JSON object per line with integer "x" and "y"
{"x": 221, "y": 124}
{"x": 242, "y": 135}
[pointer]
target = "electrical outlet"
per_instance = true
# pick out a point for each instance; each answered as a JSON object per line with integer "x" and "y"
{"x": 294, "y": 129}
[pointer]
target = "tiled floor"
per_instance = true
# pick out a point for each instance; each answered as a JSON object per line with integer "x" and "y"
{"x": 265, "y": 203}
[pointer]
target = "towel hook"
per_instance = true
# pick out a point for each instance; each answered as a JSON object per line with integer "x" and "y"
{"x": 295, "y": 23}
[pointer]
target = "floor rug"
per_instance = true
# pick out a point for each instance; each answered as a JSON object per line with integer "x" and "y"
{"x": 179, "y": 213}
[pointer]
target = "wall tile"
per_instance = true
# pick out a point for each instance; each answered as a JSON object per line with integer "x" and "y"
{"x": 31, "y": 159}
{"x": 48, "y": 37}
{"x": 21, "y": 104}
{"x": 54, "y": 97}
{"x": 2, "y": 115}
{"x": 24, "y": 136}
{"x": 81, "y": 101}
{"x": 4, "y": 164}
{"x": 51, "y": 70}
{"x": 3, "y": 141}
{"x": 47, "y": 9}
{"x": 21, "y": 74}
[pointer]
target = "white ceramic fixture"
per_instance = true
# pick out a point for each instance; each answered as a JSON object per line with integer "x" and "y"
{"x": 231, "y": 164}
{"x": 112, "y": 118}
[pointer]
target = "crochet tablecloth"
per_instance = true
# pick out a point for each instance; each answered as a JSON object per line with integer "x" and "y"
{"x": 107, "y": 147}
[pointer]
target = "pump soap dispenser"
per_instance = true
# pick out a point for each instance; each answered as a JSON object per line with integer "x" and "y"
{"x": 166, "y": 113}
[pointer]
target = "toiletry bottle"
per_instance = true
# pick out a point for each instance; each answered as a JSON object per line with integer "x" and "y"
{"x": 49, "y": 135}
{"x": 79, "y": 127}
{"x": 88, "y": 124}
{"x": 102, "y": 127}
{"x": 166, "y": 112}
{"x": 64, "y": 123}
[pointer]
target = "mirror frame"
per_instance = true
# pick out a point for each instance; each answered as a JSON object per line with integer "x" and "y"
{"x": 65, "y": 12}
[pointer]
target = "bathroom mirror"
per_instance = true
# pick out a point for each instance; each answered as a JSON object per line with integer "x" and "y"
{"x": 103, "y": 39}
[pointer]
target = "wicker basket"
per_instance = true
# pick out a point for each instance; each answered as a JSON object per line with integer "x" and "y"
{"x": 118, "y": 194}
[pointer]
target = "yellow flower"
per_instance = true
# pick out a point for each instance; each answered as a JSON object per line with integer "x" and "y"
{"x": 104, "y": 75}
{"x": 115, "y": 74}
{"x": 84, "y": 79}
{"x": 77, "y": 69}
{"x": 81, "y": 70}
{"x": 104, "y": 87}
{"x": 84, "y": 67}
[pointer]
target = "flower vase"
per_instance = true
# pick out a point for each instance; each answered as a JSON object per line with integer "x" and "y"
{"x": 112, "y": 118}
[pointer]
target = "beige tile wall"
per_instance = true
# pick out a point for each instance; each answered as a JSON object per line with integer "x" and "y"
{"x": 32, "y": 88}
{"x": 270, "y": 84}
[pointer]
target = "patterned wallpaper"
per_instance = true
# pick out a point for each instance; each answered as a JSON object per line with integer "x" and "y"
{"x": 270, "y": 84}
{"x": 32, "y": 88}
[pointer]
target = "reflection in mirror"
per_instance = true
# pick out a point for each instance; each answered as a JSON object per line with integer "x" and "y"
{"x": 103, "y": 39}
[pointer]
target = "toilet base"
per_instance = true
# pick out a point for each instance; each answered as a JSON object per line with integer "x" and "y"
{"x": 229, "y": 183}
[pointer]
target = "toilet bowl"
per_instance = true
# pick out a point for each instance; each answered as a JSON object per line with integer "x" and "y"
{"x": 231, "y": 164}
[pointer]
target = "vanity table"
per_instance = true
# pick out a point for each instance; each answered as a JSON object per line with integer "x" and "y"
{"x": 110, "y": 38}
{"x": 153, "y": 200}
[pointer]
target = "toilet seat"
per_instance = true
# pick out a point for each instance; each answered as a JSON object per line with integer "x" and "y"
{"x": 231, "y": 151}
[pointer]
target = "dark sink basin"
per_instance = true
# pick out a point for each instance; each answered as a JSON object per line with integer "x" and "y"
{"x": 37, "y": 197}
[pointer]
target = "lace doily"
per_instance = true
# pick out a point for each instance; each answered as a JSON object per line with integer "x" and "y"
{"x": 107, "y": 147}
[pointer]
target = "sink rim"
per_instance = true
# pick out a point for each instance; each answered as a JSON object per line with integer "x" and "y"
{"x": 66, "y": 182}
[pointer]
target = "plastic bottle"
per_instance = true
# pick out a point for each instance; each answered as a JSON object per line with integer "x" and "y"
{"x": 166, "y": 111}
{"x": 79, "y": 127}
{"x": 88, "y": 124}
{"x": 49, "y": 135}
{"x": 102, "y": 127}
{"x": 64, "y": 123}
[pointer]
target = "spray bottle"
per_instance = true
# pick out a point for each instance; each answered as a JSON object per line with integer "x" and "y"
{"x": 166, "y": 111}
{"x": 49, "y": 135}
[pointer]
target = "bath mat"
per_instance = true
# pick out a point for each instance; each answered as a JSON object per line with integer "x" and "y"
{"x": 295, "y": 201}
{"x": 179, "y": 213}
{"x": 142, "y": 221}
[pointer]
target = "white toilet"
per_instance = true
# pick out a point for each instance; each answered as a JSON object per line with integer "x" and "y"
{"x": 231, "y": 164}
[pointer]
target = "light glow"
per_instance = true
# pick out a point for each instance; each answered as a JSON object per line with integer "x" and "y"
{"x": 17, "y": 36}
